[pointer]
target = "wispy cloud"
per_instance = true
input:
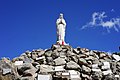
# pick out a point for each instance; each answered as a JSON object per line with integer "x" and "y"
{"x": 98, "y": 20}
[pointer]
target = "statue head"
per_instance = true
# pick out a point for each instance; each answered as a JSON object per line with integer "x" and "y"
{"x": 61, "y": 16}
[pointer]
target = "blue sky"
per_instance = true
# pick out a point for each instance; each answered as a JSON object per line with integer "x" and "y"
{"x": 27, "y": 24}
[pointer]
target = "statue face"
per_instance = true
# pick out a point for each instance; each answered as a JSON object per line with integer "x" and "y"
{"x": 61, "y": 16}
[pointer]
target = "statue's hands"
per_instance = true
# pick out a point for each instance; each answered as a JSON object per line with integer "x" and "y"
{"x": 61, "y": 21}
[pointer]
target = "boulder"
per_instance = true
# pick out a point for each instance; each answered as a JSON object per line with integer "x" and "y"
{"x": 74, "y": 58}
{"x": 108, "y": 77}
{"x": 59, "y": 61}
{"x": 55, "y": 55}
{"x": 28, "y": 60}
{"x": 116, "y": 57}
{"x": 81, "y": 56}
{"x": 97, "y": 75}
{"x": 6, "y": 71}
{"x": 24, "y": 67}
{"x": 46, "y": 68}
{"x": 95, "y": 61}
{"x": 85, "y": 69}
{"x": 55, "y": 47}
{"x": 102, "y": 55}
{"x": 106, "y": 66}
{"x": 62, "y": 54}
{"x": 70, "y": 53}
{"x": 34, "y": 55}
{"x": 30, "y": 72}
{"x": 82, "y": 61}
{"x": 72, "y": 65}
{"x": 28, "y": 53}
{"x": 49, "y": 60}
{"x": 35, "y": 64}
{"x": 41, "y": 53}
{"x": 107, "y": 72}
{"x": 113, "y": 66}
{"x": 74, "y": 75}
{"x": 76, "y": 51}
{"x": 48, "y": 53}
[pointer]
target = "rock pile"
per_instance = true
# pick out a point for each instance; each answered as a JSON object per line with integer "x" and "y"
{"x": 61, "y": 63}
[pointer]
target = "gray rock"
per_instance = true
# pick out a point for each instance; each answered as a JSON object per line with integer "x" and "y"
{"x": 24, "y": 67}
{"x": 59, "y": 61}
{"x": 85, "y": 69}
{"x": 6, "y": 71}
{"x": 59, "y": 49}
{"x": 102, "y": 55}
{"x": 97, "y": 75}
{"x": 108, "y": 77}
{"x": 55, "y": 47}
{"x": 90, "y": 58}
{"x": 41, "y": 53}
{"x": 46, "y": 68}
{"x": 34, "y": 55}
{"x": 35, "y": 64}
{"x": 21, "y": 58}
{"x": 87, "y": 53}
{"x": 72, "y": 65}
{"x": 113, "y": 67}
{"x": 28, "y": 53}
{"x": 82, "y": 56}
{"x": 28, "y": 60}
{"x": 74, "y": 58}
{"x": 83, "y": 50}
{"x": 30, "y": 72}
{"x": 49, "y": 59}
{"x": 116, "y": 57}
{"x": 82, "y": 61}
{"x": 70, "y": 53}
{"x": 48, "y": 53}
{"x": 76, "y": 51}
{"x": 106, "y": 66}
{"x": 44, "y": 77}
{"x": 95, "y": 61}
{"x": 68, "y": 47}
{"x": 85, "y": 77}
{"x": 62, "y": 54}
{"x": 55, "y": 55}
{"x": 26, "y": 78}
{"x": 107, "y": 72}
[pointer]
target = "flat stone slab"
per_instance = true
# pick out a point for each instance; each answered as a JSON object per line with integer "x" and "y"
{"x": 96, "y": 70}
{"x": 17, "y": 63}
{"x": 44, "y": 77}
{"x": 39, "y": 58}
{"x": 59, "y": 68}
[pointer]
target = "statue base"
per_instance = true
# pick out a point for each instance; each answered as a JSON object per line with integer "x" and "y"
{"x": 61, "y": 43}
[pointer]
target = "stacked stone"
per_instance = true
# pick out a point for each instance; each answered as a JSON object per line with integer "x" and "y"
{"x": 61, "y": 62}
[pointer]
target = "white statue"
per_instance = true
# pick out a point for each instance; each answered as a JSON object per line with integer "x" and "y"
{"x": 61, "y": 25}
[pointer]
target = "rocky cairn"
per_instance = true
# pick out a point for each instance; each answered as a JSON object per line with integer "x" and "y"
{"x": 61, "y": 62}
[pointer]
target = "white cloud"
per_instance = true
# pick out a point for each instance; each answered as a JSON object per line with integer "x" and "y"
{"x": 98, "y": 20}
